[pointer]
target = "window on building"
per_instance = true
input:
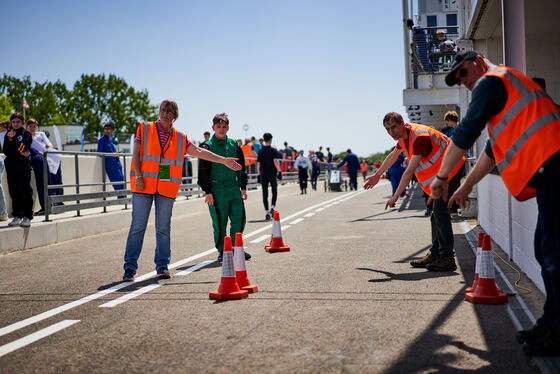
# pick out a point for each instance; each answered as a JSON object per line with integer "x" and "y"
{"x": 452, "y": 21}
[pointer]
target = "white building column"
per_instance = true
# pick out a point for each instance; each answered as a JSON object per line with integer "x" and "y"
{"x": 513, "y": 34}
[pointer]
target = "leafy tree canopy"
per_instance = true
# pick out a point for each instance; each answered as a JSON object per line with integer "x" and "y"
{"x": 93, "y": 101}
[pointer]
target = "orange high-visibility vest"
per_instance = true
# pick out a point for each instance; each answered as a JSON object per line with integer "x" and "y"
{"x": 525, "y": 133}
{"x": 151, "y": 157}
{"x": 364, "y": 167}
{"x": 249, "y": 154}
{"x": 429, "y": 166}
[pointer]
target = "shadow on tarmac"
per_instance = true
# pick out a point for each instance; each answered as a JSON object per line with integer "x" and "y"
{"x": 431, "y": 352}
{"x": 415, "y": 276}
{"x": 413, "y": 256}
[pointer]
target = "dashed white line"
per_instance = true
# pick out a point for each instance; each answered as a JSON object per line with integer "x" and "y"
{"x": 296, "y": 221}
{"x": 309, "y": 215}
{"x": 319, "y": 210}
{"x": 38, "y": 335}
{"x": 260, "y": 239}
{"x": 49, "y": 313}
{"x": 130, "y": 295}
{"x": 194, "y": 268}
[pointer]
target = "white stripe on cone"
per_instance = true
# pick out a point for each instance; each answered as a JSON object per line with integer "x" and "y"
{"x": 238, "y": 259}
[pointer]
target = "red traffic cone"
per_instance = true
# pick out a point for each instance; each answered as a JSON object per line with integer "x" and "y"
{"x": 276, "y": 243}
{"x": 239, "y": 266}
{"x": 228, "y": 290}
{"x": 486, "y": 291}
{"x": 481, "y": 236}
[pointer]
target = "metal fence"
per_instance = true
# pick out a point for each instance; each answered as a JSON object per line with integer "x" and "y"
{"x": 80, "y": 200}
{"x": 433, "y": 50}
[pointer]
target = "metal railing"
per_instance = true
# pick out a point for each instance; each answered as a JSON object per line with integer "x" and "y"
{"x": 80, "y": 200}
{"x": 433, "y": 54}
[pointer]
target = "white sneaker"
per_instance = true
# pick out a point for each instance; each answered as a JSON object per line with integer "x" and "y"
{"x": 4, "y": 217}
{"x": 26, "y": 222}
{"x": 15, "y": 222}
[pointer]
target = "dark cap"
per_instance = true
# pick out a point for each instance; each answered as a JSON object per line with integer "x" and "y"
{"x": 459, "y": 58}
{"x": 108, "y": 125}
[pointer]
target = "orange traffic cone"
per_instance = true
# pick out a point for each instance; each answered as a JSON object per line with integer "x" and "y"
{"x": 228, "y": 290}
{"x": 239, "y": 266}
{"x": 486, "y": 291}
{"x": 276, "y": 243}
{"x": 481, "y": 236}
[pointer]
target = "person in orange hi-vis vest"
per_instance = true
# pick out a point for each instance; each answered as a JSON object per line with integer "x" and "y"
{"x": 155, "y": 176}
{"x": 523, "y": 127}
{"x": 364, "y": 169}
{"x": 424, "y": 147}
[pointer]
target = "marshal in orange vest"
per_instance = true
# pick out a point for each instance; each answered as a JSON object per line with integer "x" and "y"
{"x": 525, "y": 133}
{"x": 152, "y": 156}
{"x": 249, "y": 154}
{"x": 429, "y": 166}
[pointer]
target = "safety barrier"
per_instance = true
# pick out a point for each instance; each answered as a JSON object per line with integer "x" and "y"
{"x": 95, "y": 194}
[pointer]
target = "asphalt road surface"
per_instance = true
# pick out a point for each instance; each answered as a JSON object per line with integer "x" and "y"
{"x": 343, "y": 300}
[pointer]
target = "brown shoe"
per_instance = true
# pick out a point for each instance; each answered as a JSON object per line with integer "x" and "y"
{"x": 443, "y": 263}
{"x": 428, "y": 259}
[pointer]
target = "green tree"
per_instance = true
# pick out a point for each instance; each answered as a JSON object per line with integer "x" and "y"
{"x": 46, "y": 100}
{"x": 6, "y": 108}
{"x": 98, "y": 100}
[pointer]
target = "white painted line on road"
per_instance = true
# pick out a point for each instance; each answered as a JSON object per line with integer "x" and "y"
{"x": 130, "y": 295}
{"x": 319, "y": 210}
{"x": 309, "y": 215}
{"x": 38, "y": 335}
{"x": 296, "y": 221}
{"x": 49, "y": 313}
{"x": 194, "y": 268}
{"x": 286, "y": 227}
{"x": 260, "y": 238}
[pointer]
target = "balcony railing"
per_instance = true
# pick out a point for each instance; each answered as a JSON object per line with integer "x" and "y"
{"x": 432, "y": 50}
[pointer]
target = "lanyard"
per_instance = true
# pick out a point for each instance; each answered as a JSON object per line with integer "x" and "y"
{"x": 168, "y": 143}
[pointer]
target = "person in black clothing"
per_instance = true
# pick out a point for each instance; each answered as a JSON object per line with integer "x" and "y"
{"x": 267, "y": 169}
{"x": 18, "y": 169}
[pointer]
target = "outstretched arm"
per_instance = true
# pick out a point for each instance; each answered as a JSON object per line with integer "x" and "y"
{"x": 204, "y": 154}
{"x": 405, "y": 180}
{"x": 371, "y": 181}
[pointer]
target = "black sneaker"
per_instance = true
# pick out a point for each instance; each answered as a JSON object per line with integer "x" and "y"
{"x": 535, "y": 333}
{"x": 547, "y": 346}
{"x": 129, "y": 276}
{"x": 220, "y": 257}
{"x": 267, "y": 217}
{"x": 247, "y": 256}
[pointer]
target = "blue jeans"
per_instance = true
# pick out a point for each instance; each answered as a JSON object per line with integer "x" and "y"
{"x": 141, "y": 206}
{"x": 2, "y": 198}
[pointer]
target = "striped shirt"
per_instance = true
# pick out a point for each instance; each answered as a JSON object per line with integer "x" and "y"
{"x": 164, "y": 135}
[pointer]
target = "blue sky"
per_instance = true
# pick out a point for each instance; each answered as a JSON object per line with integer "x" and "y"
{"x": 311, "y": 72}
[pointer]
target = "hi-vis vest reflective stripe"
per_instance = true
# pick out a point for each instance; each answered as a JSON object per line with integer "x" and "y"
{"x": 429, "y": 166}
{"x": 525, "y": 133}
{"x": 151, "y": 158}
{"x": 249, "y": 154}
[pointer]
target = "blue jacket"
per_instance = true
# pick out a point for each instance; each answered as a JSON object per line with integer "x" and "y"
{"x": 353, "y": 164}
{"x": 105, "y": 144}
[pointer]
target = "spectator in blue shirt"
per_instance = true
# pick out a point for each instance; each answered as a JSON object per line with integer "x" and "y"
{"x": 352, "y": 168}
{"x": 451, "y": 119}
{"x": 113, "y": 165}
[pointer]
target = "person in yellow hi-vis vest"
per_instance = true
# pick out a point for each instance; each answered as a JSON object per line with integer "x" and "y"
{"x": 155, "y": 176}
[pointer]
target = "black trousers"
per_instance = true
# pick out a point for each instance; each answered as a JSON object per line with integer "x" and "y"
{"x": 442, "y": 231}
{"x": 265, "y": 181}
{"x": 302, "y": 176}
{"x": 19, "y": 186}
